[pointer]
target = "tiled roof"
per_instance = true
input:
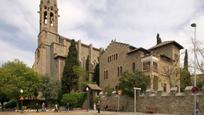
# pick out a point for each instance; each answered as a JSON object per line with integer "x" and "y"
{"x": 130, "y": 46}
{"x": 166, "y": 43}
{"x": 94, "y": 87}
{"x": 138, "y": 49}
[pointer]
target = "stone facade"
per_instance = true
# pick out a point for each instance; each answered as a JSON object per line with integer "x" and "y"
{"x": 161, "y": 63}
{"x": 52, "y": 48}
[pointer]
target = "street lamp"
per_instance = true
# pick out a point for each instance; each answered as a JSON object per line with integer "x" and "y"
{"x": 194, "y": 48}
{"x": 135, "y": 97}
{"x": 21, "y": 98}
{"x": 88, "y": 100}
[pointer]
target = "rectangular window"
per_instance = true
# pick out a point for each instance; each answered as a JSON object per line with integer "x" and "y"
{"x": 133, "y": 67}
{"x": 121, "y": 70}
{"x": 146, "y": 66}
{"x": 118, "y": 71}
{"x": 106, "y": 74}
{"x": 176, "y": 57}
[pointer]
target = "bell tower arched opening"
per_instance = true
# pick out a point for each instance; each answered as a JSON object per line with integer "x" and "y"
{"x": 49, "y": 15}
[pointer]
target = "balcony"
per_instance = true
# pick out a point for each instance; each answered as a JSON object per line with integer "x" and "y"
{"x": 150, "y": 64}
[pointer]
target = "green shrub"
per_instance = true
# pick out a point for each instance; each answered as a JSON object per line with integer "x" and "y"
{"x": 136, "y": 79}
{"x": 109, "y": 90}
{"x": 10, "y": 104}
{"x": 74, "y": 99}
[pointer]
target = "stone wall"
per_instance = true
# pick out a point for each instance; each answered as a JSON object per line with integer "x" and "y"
{"x": 158, "y": 102}
{"x": 111, "y": 102}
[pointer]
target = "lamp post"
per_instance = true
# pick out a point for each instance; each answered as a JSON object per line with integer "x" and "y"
{"x": 21, "y": 98}
{"x": 135, "y": 98}
{"x": 88, "y": 100}
{"x": 194, "y": 49}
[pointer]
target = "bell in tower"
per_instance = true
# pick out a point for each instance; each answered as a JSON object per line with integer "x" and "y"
{"x": 49, "y": 16}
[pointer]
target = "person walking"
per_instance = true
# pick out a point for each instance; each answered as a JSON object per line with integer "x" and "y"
{"x": 43, "y": 107}
{"x": 98, "y": 106}
{"x": 67, "y": 107}
{"x": 37, "y": 107}
{"x": 56, "y": 108}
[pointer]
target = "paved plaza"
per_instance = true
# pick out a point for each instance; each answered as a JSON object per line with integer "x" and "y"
{"x": 74, "y": 113}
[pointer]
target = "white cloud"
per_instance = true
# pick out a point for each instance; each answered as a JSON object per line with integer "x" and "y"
{"x": 10, "y": 52}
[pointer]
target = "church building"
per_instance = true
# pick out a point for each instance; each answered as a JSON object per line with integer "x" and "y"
{"x": 53, "y": 48}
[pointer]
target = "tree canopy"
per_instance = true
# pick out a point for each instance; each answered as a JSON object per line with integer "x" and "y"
{"x": 15, "y": 75}
{"x": 186, "y": 60}
{"x": 185, "y": 79}
{"x": 50, "y": 88}
{"x": 130, "y": 80}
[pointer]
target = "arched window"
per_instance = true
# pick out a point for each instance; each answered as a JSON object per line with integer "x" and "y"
{"x": 51, "y": 19}
{"x": 45, "y": 17}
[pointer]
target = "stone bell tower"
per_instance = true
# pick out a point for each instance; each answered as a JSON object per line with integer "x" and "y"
{"x": 49, "y": 15}
{"x": 48, "y": 35}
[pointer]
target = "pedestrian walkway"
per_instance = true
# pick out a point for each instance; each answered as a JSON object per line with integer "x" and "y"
{"x": 75, "y": 113}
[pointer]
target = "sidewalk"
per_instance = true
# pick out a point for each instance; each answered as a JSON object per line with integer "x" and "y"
{"x": 75, "y": 113}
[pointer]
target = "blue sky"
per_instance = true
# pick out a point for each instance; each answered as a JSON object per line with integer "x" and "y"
{"x": 97, "y": 22}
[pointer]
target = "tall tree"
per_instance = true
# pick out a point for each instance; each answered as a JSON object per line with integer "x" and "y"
{"x": 70, "y": 78}
{"x": 185, "y": 74}
{"x": 88, "y": 67}
{"x": 185, "y": 79}
{"x": 96, "y": 74}
{"x": 88, "y": 64}
{"x": 186, "y": 60}
{"x": 50, "y": 88}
